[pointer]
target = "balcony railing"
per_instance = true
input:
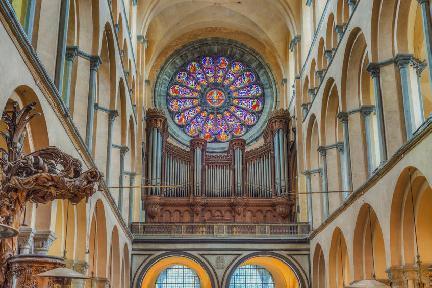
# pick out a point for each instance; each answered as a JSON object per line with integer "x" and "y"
{"x": 295, "y": 230}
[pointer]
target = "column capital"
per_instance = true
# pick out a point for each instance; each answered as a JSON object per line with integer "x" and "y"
{"x": 198, "y": 143}
{"x": 95, "y": 62}
{"x": 143, "y": 40}
{"x": 343, "y": 117}
{"x": 374, "y": 69}
{"x": 340, "y": 29}
{"x": 366, "y": 110}
{"x": 322, "y": 150}
{"x": 71, "y": 52}
{"x": 312, "y": 92}
{"x": 295, "y": 40}
{"x": 403, "y": 60}
{"x": 155, "y": 118}
{"x": 123, "y": 150}
{"x": 352, "y": 3}
{"x": 237, "y": 144}
{"x": 112, "y": 114}
{"x": 421, "y": 2}
{"x": 312, "y": 171}
{"x": 328, "y": 54}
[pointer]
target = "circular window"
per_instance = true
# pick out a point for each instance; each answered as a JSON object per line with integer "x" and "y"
{"x": 215, "y": 98}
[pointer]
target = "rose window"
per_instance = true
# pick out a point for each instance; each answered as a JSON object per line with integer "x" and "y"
{"x": 215, "y": 98}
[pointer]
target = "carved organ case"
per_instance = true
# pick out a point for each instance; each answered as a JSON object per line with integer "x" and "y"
{"x": 238, "y": 186}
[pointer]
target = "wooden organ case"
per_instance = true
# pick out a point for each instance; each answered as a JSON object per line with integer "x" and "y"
{"x": 239, "y": 186}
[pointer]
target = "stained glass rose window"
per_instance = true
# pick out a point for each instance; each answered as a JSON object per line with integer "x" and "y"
{"x": 215, "y": 98}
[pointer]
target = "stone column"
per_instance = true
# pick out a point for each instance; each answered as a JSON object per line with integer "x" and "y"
{"x": 346, "y": 173}
{"x": 198, "y": 149}
{"x": 112, "y": 114}
{"x": 131, "y": 196}
{"x": 427, "y": 31}
{"x": 374, "y": 71}
{"x": 410, "y": 92}
{"x": 366, "y": 112}
{"x": 95, "y": 61}
{"x": 329, "y": 55}
{"x": 61, "y": 44}
{"x": 237, "y": 148}
{"x": 30, "y": 19}
{"x": 309, "y": 198}
{"x": 71, "y": 53}
{"x": 156, "y": 128}
{"x": 123, "y": 151}
{"x": 323, "y": 154}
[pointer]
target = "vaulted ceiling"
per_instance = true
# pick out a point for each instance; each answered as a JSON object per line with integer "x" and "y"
{"x": 264, "y": 25}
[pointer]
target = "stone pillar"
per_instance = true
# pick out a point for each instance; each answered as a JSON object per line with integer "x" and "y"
{"x": 323, "y": 154}
{"x": 309, "y": 198}
{"x": 61, "y": 44}
{"x": 237, "y": 148}
{"x": 131, "y": 196}
{"x": 198, "y": 149}
{"x": 112, "y": 114}
{"x": 30, "y": 19}
{"x": 305, "y": 109}
{"x": 409, "y": 70}
{"x": 71, "y": 53}
{"x": 294, "y": 47}
{"x": 156, "y": 128}
{"x": 95, "y": 61}
{"x": 427, "y": 31}
{"x": 123, "y": 151}
{"x": 374, "y": 71}
{"x": 366, "y": 112}
{"x": 346, "y": 173}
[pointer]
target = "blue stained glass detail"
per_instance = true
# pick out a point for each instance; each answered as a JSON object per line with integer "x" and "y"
{"x": 178, "y": 276}
{"x": 251, "y": 276}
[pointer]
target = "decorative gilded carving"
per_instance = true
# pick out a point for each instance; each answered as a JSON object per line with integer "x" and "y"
{"x": 156, "y": 119}
{"x": 279, "y": 119}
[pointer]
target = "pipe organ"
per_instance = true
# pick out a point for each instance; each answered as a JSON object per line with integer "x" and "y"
{"x": 195, "y": 185}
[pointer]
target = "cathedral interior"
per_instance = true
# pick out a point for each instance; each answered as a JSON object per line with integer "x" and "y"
{"x": 215, "y": 143}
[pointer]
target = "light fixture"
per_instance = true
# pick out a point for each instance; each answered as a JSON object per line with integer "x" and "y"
{"x": 7, "y": 231}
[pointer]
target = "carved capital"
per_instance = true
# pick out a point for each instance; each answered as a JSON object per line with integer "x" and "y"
{"x": 237, "y": 144}
{"x": 155, "y": 118}
{"x": 366, "y": 110}
{"x": 25, "y": 240}
{"x": 343, "y": 117}
{"x": 279, "y": 119}
{"x": 328, "y": 54}
{"x": 374, "y": 70}
{"x": 71, "y": 52}
{"x": 198, "y": 143}
{"x": 95, "y": 62}
{"x": 43, "y": 241}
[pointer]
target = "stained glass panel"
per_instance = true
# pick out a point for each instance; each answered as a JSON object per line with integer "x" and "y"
{"x": 251, "y": 276}
{"x": 178, "y": 276}
{"x": 215, "y": 98}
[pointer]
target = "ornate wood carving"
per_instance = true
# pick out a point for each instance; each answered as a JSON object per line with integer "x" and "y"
{"x": 40, "y": 177}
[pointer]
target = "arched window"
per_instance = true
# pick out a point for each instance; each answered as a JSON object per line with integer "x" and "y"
{"x": 251, "y": 276}
{"x": 178, "y": 276}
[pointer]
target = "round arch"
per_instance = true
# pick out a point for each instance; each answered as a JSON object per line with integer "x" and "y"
{"x": 285, "y": 271}
{"x": 150, "y": 272}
